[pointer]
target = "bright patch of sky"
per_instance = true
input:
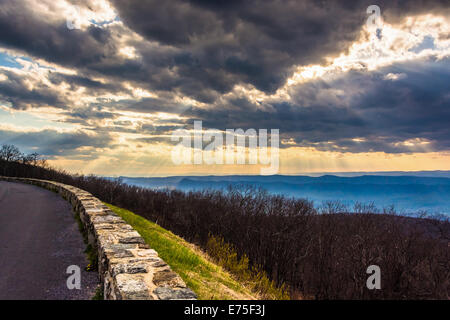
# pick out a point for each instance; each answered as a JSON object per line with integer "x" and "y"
{"x": 27, "y": 121}
{"x": 427, "y": 43}
{"x": 9, "y": 61}
{"x": 104, "y": 22}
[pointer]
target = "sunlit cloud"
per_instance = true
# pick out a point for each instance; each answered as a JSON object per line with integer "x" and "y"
{"x": 135, "y": 83}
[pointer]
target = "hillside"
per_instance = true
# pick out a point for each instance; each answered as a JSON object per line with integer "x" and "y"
{"x": 207, "y": 279}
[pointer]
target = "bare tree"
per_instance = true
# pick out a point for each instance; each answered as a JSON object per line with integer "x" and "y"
{"x": 32, "y": 159}
{"x": 332, "y": 207}
{"x": 10, "y": 153}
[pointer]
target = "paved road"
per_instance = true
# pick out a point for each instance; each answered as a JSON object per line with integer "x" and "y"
{"x": 39, "y": 239}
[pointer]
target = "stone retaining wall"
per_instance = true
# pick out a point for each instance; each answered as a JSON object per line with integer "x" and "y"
{"x": 128, "y": 268}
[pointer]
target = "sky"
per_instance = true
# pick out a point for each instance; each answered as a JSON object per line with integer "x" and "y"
{"x": 101, "y": 86}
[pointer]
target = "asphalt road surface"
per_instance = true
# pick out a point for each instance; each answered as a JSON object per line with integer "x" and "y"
{"x": 39, "y": 240}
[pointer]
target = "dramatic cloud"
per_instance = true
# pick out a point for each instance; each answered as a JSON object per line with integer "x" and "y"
{"x": 15, "y": 90}
{"x": 408, "y": 115}
{"x": 122, "y": 75}
{"x": 227, "y": 42}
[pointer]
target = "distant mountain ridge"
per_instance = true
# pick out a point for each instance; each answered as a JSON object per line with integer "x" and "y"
{"x": 408, "y": 193}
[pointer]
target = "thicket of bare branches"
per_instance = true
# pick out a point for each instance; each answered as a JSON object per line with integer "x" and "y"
{"x": 320, "y": 255}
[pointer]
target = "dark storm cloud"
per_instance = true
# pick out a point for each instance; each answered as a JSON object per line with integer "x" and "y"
{"x": 240, "y": 42}
{"x": 21, "y": 96}
{"x": 89, "y": 116}
{"x": 92, "y": 52}
{"x": 384, "y": 113}
{"x": 95, "y": 52}
{"x": 76, "y": 81}
{"x": 23, "y": 28}
{"x": 52, "y": 143}
{"x": 204, "y": 47}
{"x": 257, "y": 42}
{"x": 16, "y": 91}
